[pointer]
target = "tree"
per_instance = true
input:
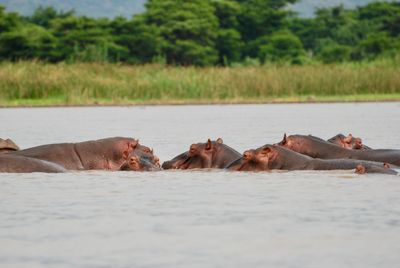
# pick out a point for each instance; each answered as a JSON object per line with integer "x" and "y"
{"x": 142, "y": 41}
{"x": 282, "y": 47}
{"x": 386, "y": 16}
{"x": 374, "y": 45}
{"x": 189, "y": 30}
{"x": 26, "y": 42}
{"x": 229, "y": 41}
{"x": 44, "y": 15}
{"x": 85, "y": 39}
{"x": 8, "y": 21}
{"x": 334, "y": 53}
{"x": 260, "y": 18}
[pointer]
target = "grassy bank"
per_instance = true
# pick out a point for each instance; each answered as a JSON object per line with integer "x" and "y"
{"x": 35, "y": 83}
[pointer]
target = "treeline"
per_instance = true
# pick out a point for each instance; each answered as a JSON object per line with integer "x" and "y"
{"x": 205, "y": 32}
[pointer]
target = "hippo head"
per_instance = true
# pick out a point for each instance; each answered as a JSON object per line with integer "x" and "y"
{"x": 293, "y": 142}
{"x": 385, "y": 169}
{"x": 176, "y": 162}
{"x": 146, "y": 153}
{"x": 261, "y": 159}
{"x": 200, "y": 155}
{"x": 137, "y": 163}
{"x": 338, "y": 140}
{"x": 7, "y": 146}
{"x": 348, "y": 142}
{"x": 139, "y": 157}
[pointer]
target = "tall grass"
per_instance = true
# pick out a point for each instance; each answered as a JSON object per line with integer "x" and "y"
{"x": 37, "y": 83}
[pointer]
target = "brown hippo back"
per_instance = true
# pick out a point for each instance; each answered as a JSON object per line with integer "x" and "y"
{"x": 103, "y": 154}
{"x": 320, "y": 149}
{"x": 20, "y": 164}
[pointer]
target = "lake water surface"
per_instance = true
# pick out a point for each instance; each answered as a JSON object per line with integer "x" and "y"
{"x": 200, "y": 219}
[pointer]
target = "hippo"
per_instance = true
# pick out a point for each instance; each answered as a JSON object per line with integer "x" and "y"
{"x": 348, "y": 142}
{"x": 20, "y": 164}
{"x": 7, "y": 146}
{"x": 211, "y": 154}
{"x": 176, "y": 162}
{"x": 362, "y": 169}
{"x": 271, "y": 157}
{"x": 139, "y": 163}
{"x": 321, "y": 149}
{"x": 103, "y": 154}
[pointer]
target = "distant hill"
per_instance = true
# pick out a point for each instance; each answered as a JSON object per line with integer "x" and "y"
{"x": 126, "y": 8}
{"x": 90, "y": 8}
{"x": 305, "y": 8}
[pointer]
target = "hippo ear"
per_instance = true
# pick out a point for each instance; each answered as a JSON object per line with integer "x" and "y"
{"x": 358, "y": 143}
{"x": 386, "y": 165}
{"x": 360, "y": 169}
{"x": 134, "y": 144}
{"x": 208, "y": 145}
{"x": 348, "y": 139}
{"x": 125, "y": 154}
{"x": 220, "y": 141}
{"x": 284, "y": 140}
{"x": 267, "y": 149}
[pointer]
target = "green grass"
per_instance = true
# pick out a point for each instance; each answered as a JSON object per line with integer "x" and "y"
{"x": 41, "y": 84}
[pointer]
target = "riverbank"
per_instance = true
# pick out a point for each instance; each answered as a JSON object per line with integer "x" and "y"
{"x": 289, "y": 100}
{"x": 41, "y": 84}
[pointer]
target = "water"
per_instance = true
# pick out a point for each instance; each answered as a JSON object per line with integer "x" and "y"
{"x": 200, "y": 219}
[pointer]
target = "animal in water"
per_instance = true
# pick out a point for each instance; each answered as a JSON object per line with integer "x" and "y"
{"x": 103, "y": 154}
{"x": 275, "y": 157}
{"x": 317, "y": 148}
{"x": 348, "y": 142}
{"x": 211, "y": 154}
{"x": 10, "y": 163}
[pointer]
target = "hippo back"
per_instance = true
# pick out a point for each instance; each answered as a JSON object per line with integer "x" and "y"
{"x": 20, "y": 164}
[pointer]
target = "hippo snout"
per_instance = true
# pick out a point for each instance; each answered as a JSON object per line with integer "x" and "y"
{"x": 248, "y": 155}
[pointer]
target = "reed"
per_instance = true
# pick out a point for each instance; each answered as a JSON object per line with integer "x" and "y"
{"x": 37, "y": 83}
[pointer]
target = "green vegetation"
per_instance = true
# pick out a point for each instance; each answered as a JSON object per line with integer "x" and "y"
{"x": 205, "y": 33}
{"x": 201, "y": 51}
{"x": 36, "y": 83}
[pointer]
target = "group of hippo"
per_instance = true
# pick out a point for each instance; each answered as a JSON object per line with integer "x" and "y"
{"x": 295, "y": 152}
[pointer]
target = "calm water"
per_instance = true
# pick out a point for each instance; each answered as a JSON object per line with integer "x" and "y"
{"x": 200, "y": 219}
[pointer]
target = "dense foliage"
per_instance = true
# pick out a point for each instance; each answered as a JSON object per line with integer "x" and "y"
{"x": 205, "y": 32}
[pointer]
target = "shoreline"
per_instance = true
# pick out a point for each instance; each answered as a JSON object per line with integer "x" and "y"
{"x": 197, "y": 103}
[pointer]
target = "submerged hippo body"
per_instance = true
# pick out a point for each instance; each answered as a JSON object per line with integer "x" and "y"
{"x": 103, "y": 154}
{"x": 325, "y": 150}
{"x": 274, "y": 157}
{"x": 20, "y": 164}
{"x": 348, "y": 142}
{"x": 212, "y": 154}
{"x": 7, "y": 146}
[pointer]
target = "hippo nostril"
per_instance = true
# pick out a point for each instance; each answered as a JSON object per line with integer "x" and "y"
{"x": 133, "y": 160}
